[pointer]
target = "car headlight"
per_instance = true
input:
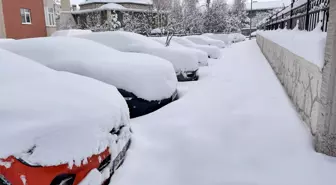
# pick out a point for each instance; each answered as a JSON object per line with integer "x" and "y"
{"x": 4, "y": 181}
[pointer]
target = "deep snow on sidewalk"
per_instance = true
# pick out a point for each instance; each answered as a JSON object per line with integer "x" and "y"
{"x": 235, "y": 126}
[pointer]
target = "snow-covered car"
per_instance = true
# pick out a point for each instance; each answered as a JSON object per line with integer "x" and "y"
{"x": 58, "y": 127}
{"x": 212, "y": 51}
{"x": 184, "y": 62}
{"x": 221, "y": 37}
{"x": 70, "y": 32}
{"x": 254, "y": 34}
{"x": 147, "y": 82}
{"x": 201, "y": 55}
{"x": 204, "y": 40}
{"x": 237, "y": 37}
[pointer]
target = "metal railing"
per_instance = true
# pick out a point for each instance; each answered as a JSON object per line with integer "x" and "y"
{"x": 304, "y": 13}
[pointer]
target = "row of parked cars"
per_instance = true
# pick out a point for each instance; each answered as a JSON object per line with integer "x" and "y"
{"x": 67, "y": 100}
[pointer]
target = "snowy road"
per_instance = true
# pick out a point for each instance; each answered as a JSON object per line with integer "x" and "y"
{"x": 235, "y": 126}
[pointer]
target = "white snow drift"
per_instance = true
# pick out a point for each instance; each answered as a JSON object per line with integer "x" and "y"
{"x": 204, "y": 40}
{"x": 236, "y": 37}
{"x": 183, "y": 61}
{"x": 212, "y": 51}
{"x": 66, "y": 117}
{"x": 148, "y": 77}
{"x": 201, "y": 55}
{"x": 69, "y": 33}
{"x": 221, "y": 37}
{"x": 309, "y": 45}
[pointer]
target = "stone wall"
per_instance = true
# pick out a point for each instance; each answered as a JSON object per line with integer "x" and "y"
{"x": 300, "y": 78}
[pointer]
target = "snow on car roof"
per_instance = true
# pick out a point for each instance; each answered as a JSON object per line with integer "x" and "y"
{"x": 70, "y": 32}
{"x": 66, "y": 117}
{"x": 148, "y": 77}
{"x": 112, "y": 6}
{"x": 132, "y": 42}
{"x": 145, "y": 2}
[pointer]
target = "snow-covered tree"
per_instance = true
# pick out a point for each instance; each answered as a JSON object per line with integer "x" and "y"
{"x": 240, "y": 14}
{"x": 216, "y": 17}
{"x": 99, "y": 21}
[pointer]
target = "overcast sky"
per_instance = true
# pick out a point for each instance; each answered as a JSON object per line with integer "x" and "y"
{"x": 229, "y": 1}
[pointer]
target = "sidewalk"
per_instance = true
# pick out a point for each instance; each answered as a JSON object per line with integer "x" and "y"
{"x": 236, "y": 126}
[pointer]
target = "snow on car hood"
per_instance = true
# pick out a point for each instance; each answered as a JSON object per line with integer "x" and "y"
{"x": 64, "y": 117}
{"x": 182, "y": 60}
{"x": 69, "y": 33}
{"x": 146, "y": 76}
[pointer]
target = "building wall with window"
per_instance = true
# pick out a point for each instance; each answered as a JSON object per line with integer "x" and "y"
{"x": 51, "y": 13}
{"x": 24, "y": 18}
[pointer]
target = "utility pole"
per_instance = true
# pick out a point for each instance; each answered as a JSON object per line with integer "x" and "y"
{"x": 251, "y": 21}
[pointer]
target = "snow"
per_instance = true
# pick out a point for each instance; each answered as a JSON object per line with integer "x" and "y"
{"x": 23, "y": 179}
{"x": 148, "y": 77}
{"x": 309, "y": 45}
{"x": 201, "y": 55}
{"x": 157, "y": 31}
{"x": 112, "y": 6}
{"x": 144, "y": 2}
{"x": 212, "y": 51}
{"x": 5, "y": 164}
{"x": 43, "y": 109}
{"x": 183, "y": 61}
{"x": 221, "y": 37}
{"x": 237, "y": 127}
{"x": 69, "y": 33}
{"x": 236, "y": 37}
{"x": 265, "y": 5}
{"x": 204, "y": 40}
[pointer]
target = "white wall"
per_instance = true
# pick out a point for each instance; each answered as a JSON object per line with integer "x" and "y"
{"x": 301, "y": 79}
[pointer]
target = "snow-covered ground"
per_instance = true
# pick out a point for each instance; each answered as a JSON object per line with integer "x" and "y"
{"x": 235, "y": 126}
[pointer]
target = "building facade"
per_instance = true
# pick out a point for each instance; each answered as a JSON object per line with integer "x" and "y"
{"x": 52, "y": 10}
{"x": 22, "y": 19}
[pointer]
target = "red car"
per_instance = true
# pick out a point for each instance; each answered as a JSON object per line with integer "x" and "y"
{"x": 21, "y": 172}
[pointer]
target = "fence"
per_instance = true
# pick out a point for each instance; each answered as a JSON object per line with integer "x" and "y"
{"x": 305, "y": 13}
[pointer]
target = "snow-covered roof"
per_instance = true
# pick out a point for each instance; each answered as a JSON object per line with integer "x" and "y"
{"x": 112, "y": 6}
{"x": 144, "y": 2}
{"x": 265, "y": 5}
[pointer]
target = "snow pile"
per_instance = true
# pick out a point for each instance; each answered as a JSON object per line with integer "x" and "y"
{"x": 212, "y": 51}
{"x": 221, "y": 37}
{"x": 204, "y": 40}
{"x": 69, "y": 33}
{"x": 148, "y": 77}
{"x": 61, "y": 117}
{"x": 131, "y": 42}
{"x": 243, "y": 130}
{"x": 6, "y": 40}
{"x": 157, "y": 31}
{"x": 309, "y": 45}
{"x": 201, "y": 55}
{"x": 237, "y": 37}
{"x": 112, "y": 6}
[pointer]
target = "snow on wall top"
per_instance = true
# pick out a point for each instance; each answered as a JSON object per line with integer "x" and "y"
{"x": 44, "y": 108}
{"x": 265, "y": 5}
{"x": 144, "y": 2}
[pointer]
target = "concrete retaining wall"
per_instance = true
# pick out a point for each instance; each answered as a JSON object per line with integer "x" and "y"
{"x": 301, "y": 79}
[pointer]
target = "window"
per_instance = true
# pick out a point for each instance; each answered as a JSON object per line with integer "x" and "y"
{"x": 50, "y": 16}
{"x": 25, "y": 16}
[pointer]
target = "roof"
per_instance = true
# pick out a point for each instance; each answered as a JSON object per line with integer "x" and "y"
{"x": 265, "y": 5}
{"x": 143, "y": 2}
